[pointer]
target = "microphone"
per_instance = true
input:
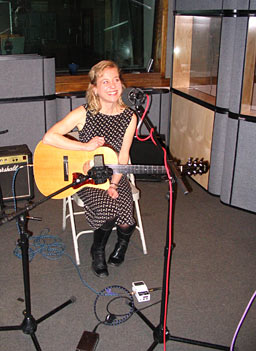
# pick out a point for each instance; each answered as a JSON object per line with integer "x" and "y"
{"x": 133, "y": 97}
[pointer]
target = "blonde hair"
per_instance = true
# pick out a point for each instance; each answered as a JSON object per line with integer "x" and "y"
{"x": 93, "y": 100}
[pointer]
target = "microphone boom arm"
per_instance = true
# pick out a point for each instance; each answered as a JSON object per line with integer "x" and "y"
{"x": 160, "y": 144}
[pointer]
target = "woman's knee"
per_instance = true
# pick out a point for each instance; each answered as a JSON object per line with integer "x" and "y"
{"x": 126, "y": 228}
{"x": 109, "y": 224}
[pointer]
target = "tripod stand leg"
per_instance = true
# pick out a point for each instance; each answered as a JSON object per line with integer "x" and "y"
{"x": 198, "y": 343}
{"x": 11, "y": 327}
{"x": 2, "y": 212}
{"x": 57, "y": 309}
{"x": 35, "y": 341}
{"x": 153, "y": 346}
{"x": 145, "y": 319}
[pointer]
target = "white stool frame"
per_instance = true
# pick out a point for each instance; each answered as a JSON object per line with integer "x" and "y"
{"x": 67, "y": 204}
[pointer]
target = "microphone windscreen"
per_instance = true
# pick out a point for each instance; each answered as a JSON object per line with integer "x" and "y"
{"x": 128, "y": 96}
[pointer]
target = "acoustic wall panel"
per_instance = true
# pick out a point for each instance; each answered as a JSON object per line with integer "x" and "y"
{"x": 49, "y": 76}
{"x": 26, "y": 122}
{"x": 217, "y": 152}
{"x": 243, "y": 193}
{"x": 237, "y": 58}
{"x": 229, "y": 157}
{"x": 236, "y": 4}
{"x": 188, "y": 5}
{"x": 225, "y": 68}
{"x": 67, "y": 102}
{"x": 238, "y": 180}
{"x": 253, "y": 5}
{"x": 50, "y": 115}
{"x": 26, "y": 76}
{"x": 27, "y": 98}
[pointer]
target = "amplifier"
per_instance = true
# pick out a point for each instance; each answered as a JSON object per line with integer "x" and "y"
{"x": 16, "y": 173}
{"x": 146, "y": 153}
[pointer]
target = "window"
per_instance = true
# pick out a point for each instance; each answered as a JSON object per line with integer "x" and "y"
{"x": 83, "y": 31}
{"x": 196, "y": 56}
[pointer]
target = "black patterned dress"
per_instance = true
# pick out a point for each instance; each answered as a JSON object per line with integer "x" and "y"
{"x": 98, "y": 205}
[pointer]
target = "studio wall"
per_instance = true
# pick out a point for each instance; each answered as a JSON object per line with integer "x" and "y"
{"x": 230, "y": 131}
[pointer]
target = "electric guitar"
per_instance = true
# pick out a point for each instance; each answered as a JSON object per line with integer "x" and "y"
{"x": 55, "y": 168}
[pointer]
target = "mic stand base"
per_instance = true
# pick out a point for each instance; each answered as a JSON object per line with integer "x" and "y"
{"x": 158, "y": 331}
{"x": 158, "y": 335}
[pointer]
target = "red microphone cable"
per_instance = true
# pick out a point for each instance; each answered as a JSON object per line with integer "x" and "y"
{"x": 150, "y": 136}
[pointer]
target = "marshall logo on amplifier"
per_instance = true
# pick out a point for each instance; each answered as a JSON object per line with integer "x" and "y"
{"x": 9, "y": 169}
{"x": 13, "y": 158}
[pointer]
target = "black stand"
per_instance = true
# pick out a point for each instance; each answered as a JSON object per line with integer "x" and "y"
{"x": 160, "y": 332}
{"x": 2, "y": 206}
{"x": 2, "y": 211}
{"x": 29, "y": 324}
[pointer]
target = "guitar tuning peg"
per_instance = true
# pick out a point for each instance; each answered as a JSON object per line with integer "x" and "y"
{"x": 189, "y": 163}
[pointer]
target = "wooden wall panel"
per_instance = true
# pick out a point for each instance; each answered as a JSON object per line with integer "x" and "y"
{"x": 191, "y": 133}
{"x": 249, "y": 71}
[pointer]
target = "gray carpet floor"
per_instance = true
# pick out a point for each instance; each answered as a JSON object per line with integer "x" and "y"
{"x": 211, "y": 282}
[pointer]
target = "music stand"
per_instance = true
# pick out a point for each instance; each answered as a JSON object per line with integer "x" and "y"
{"x": 161, "y": 332}
{"x": 29, "y": 324}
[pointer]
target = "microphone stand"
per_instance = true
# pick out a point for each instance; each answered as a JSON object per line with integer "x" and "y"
{"x": 2, "y": 206}
{"x": 29, "y": 324}
{"x": 2, "y": 211}
{"x": 159, "y": 331}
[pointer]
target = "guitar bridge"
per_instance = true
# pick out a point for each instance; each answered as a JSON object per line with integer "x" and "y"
{"x": 65, "y": 168}
{"x": 81, "y": 176}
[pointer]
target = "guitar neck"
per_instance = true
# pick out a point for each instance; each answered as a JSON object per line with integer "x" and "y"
{"x": 138, "y": 169}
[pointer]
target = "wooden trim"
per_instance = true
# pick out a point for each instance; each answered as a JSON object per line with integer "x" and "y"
{"x": 164, "y": 37}
{"x": 67, "y": 83}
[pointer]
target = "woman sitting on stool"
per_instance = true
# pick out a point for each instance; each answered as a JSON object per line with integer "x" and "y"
{"x": 103, "y": 120}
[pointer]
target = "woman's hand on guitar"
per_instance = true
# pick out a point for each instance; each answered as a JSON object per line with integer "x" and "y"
{"x": 112, "y": 192}
{"x": 94, "y": 143}
{"x": 87, "y": 165}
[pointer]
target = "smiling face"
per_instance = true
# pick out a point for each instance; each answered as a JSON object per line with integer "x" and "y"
{"x": 108, "y": 86}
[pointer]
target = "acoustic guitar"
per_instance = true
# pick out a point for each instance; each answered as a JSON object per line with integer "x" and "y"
{"x": 55, "y": 168}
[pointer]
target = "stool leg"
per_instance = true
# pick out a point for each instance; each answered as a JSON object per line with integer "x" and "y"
{"x": 140, "y": 228}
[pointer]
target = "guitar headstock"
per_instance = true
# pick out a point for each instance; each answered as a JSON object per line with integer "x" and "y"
{"x": 195, "y": 166}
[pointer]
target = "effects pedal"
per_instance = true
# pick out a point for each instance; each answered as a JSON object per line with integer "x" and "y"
{"x": 141, "y": 291}
{"x": 88, "y": 341}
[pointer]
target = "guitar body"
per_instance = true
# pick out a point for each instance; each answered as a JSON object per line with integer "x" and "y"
{"x": 54, "y": 168}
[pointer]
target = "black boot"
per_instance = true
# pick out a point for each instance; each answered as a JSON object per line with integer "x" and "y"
{"x": 99, "y": 265}
{"x": 123, "y": 238}
{"x": 100, "y": 238}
